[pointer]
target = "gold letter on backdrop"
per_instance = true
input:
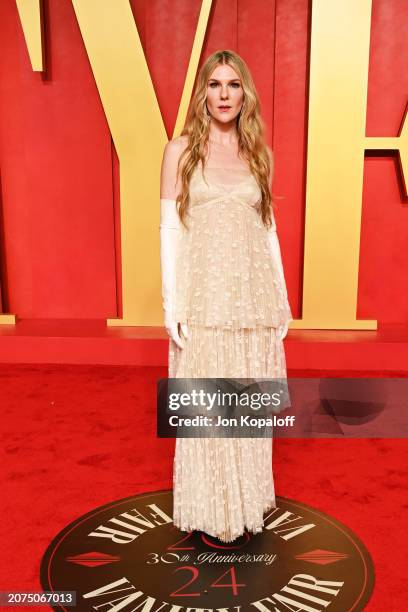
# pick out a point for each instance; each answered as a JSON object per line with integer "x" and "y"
{"x": 30, "y": 17}
{"x": 340, "y": 41}
{"x": 133, "y": 114}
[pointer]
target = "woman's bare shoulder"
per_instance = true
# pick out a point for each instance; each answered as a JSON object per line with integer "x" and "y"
{"x": 170, "y": 178}
{"x": 177, "y": 145}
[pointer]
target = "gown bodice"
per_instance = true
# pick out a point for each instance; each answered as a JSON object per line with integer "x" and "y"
{"x": 215, "y": 184}
{"x": 225, "y": 275}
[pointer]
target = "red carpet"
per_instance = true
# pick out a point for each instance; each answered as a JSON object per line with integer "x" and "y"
{"x": 76, "y": 437}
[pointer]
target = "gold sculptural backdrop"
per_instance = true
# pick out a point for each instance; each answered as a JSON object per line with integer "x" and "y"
{"x": 339, "y": 62}
{"x": 30, "y": 16}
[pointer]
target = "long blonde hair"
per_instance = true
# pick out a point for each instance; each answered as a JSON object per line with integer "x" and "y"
{"x": 250, "y": 128}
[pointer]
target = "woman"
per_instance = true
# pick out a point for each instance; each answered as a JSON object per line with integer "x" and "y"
{"x": 224, "y": 295}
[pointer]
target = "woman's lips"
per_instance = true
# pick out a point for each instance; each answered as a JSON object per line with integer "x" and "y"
{"x": 223, "y": 109}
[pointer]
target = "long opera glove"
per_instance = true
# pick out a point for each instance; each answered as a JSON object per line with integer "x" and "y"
{"x": 285, "y": 311}
{"x": 170, "y": 226}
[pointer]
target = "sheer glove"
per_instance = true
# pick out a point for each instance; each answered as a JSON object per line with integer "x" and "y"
{"x": 169, "y": 236}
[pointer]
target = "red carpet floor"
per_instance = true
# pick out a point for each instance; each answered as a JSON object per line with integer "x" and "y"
{"x": 77, "y": 437}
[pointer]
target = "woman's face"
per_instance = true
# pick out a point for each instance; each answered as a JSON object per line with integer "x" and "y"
{"x": 224, "y": 89}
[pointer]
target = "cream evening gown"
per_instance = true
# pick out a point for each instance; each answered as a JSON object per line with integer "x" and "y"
{"x": 228, "y": 294}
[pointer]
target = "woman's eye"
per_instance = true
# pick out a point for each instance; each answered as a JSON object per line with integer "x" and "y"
{"x": 235, "y": 85}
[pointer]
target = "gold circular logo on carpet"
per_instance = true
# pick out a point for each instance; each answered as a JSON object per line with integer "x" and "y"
{"x": 127, "y": 556}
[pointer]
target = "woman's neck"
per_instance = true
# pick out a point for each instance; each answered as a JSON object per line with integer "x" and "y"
{"x": 225, "y": 138}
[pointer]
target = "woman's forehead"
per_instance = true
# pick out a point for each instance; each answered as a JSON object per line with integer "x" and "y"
{"x": 224, "y": 72}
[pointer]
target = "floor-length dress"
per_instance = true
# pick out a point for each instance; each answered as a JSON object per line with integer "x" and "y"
{"x": 229, "y": 296}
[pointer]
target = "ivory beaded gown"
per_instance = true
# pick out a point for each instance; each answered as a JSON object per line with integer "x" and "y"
{"x": 228, "y": 293}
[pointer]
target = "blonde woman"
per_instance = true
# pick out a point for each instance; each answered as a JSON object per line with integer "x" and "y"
{"x": 224, "y": 295}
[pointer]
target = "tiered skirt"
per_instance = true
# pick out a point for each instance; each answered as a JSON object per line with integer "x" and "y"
{"x": 224, "y": 486}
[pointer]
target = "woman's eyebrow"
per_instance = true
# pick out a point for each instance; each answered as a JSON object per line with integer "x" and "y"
{"x": 230, "y": 80}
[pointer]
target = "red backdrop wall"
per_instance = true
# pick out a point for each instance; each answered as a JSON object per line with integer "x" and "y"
{"x": 59, "y": 170}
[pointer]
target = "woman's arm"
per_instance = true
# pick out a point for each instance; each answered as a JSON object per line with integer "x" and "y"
{"x": 275, "y": 252}
{"x": 170, "y": 183}
{"x": 170, "y": 227}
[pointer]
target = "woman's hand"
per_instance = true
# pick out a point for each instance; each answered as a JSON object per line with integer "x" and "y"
{"x": 282, "y": 330}
{"x": 172, "y": 328}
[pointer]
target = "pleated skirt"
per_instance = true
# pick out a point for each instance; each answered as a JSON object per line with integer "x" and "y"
{"x": 224, "y": 486}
